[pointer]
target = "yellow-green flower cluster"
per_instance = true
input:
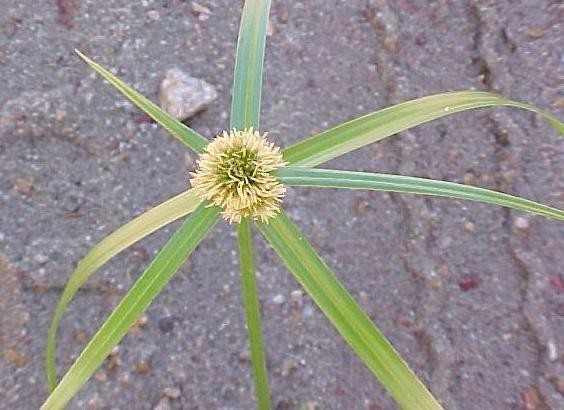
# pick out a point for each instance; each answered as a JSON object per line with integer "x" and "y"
{"x": 235, "y": 173}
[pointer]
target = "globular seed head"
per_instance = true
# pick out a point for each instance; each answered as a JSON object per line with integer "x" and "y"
{"x": 235, "y": 173}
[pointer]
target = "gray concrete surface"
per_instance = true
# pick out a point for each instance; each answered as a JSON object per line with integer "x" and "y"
{"x": 471, "y": 295}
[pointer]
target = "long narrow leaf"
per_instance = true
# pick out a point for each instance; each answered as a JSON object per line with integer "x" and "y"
{"x": 130, "y": 233}
{"x": 348, "y": 318}
{"x": 389, "y": 121}
{"x": 252, "y": 310}
{"x": 330, "y": 178}
{"x": 147, "y": 287}
{"x": 247, "y": 81}
{"x": 186, "y": 135}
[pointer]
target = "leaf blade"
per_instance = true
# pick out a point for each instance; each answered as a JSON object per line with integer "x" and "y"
{"x": 137, "y": 299}
{"x": 113, "y": 244}
{"x": 373, "y": 127}
{"x": 252, "y": 311}
{"x": 184, "y": 134}
{"x": 247, "y": 77}
{"x": 330, "y": 178}
{"x": 344, "y": 313}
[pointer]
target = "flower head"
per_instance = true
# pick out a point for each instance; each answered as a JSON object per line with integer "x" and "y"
{"x": 235, "y": 173}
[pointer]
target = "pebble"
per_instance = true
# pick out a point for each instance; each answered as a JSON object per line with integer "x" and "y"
{"x": 310, "y": 405}
{"x": 182, "y": 96}
{"x": 171, "y": 392}
{"x": 202, "y": 12}
{"x": 153, "y": 15}
{"x": 142, "y": 367}
{"x": 308, "y": 310}
{"x": 269, "y": 28}
{"x": 536, "y": 33}
{"x": 166, "y": 324}
{"x": 551, "y": 351}
{"x": 278, "y": 299}
{"x": 288, "y": 365}
{"x": 71, "y": 203}
{"x": 297, "y": 298}
{"x": 360, "y": 207}
{"x": 23, "y": 186}
{"x": 245, "y": 356}
{"x": 100, "y": 376}
{"x": 15, "y": 357}
{"x": 530, "y": 399}
{"x": 469, "y": 281}
{"x": 163, "y": 404}
{"x": 142, "y": 321}
{"x": 521, "y": 223}
{"x": 41, "y": 259}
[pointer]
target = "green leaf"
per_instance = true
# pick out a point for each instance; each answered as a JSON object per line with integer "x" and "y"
{"x": 332, "y": 178}
{"x": 247, "y": 81}
{"x": 389, "y": 121}
{"x": 186, "y": 135}
{"x": 139, "y": 297}
{"x": 130, "y": 233}
{"x": 252, "y": 310}
{"x": 344, "y": 313}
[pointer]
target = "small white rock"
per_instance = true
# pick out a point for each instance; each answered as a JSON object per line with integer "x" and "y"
{"x": 297, "y": 298}
{"x": 552, "y": 351}
{"x": 163, "y": 404}
{"x": 308, "y": 310}
{"x": 202, "y": 12}
{"x": 171, "y": 392}
{"x": 278, "y": 299}
{"x": 153, "y": 14}
{"x": 41, "y": 258}
{"x": 182, "y": 96}
{"x": 521, "y": 223}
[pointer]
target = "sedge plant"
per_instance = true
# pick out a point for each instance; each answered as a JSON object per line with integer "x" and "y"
{"x": 241, "y": 176}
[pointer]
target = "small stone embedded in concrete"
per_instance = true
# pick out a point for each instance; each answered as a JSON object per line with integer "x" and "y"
{"x": 182, "y": 96}
{"x": 40, "y": 258}
{"x": 469, "y": 281}
{"x": 521, "y": 223}
{"x": 288, "y": 365}
{"x": 297, "y": 298}
{"x": 153, "y": 15}
{"x": 171, "y": 392}
{"x": 101, "y": 376}
{"x": 278, "y": 299}
{"x": 142, "y": 367}
{"x": 470, "y": 227}
{"x": 308, "y": 310}
{"x": 163, "y": 404}
{"x": 166, "y": 324}
{"x": 15, "y": 357}
{"x": 201, "y": 11}
{"x": 551, "y": 351}
{"x": 310, "y": 405}
{"x": 245, "y": 356}
{"x": 23, "y": 186}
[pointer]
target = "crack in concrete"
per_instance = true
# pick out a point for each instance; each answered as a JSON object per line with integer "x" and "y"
{"x": 526, "y": 277}
{"x": 529, "y": 267}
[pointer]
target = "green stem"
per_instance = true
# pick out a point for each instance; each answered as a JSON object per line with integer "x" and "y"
{"x": 250, "y": 297}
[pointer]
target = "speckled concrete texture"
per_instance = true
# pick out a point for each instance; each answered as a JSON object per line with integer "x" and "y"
{"x": 472, "y": 295}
